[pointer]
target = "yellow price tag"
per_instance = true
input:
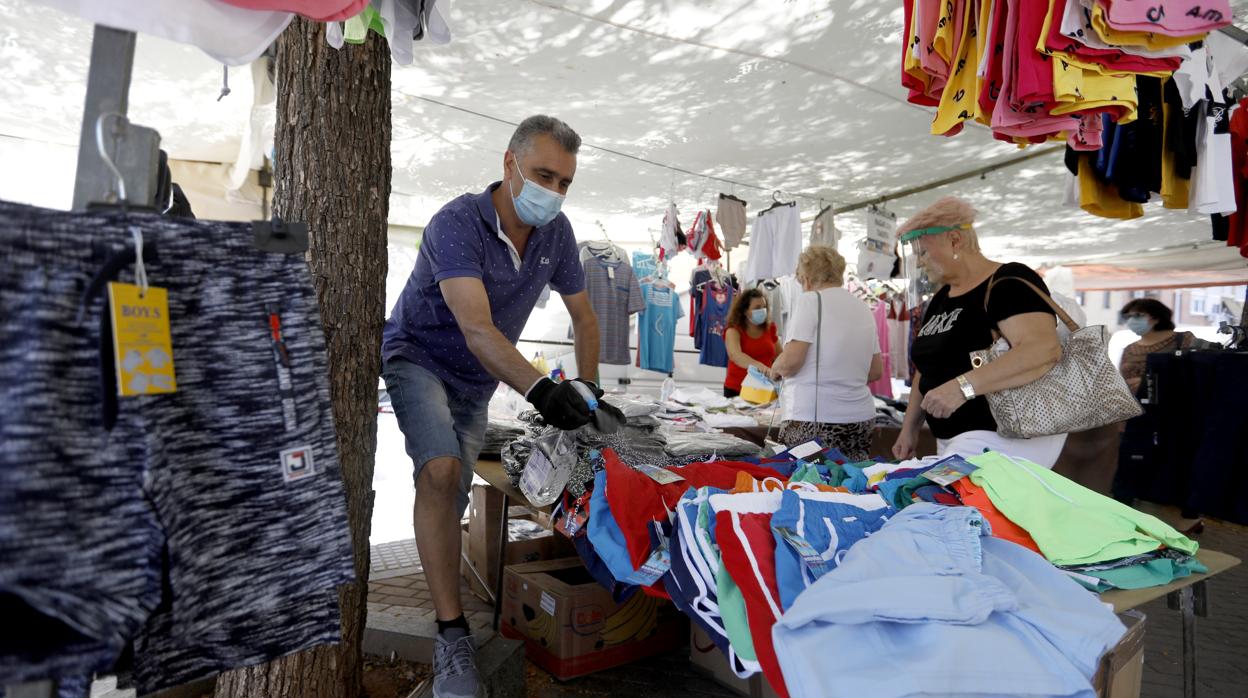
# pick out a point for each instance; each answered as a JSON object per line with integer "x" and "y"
{"x": 142, "y": 343}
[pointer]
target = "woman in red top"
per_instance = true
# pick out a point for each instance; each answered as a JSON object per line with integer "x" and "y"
{"x": 751, "y": 339}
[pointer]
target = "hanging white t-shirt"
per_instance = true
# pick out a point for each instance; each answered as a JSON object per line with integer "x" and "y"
{"x": 845, "y": 347}
{"x": 231, "y": 35}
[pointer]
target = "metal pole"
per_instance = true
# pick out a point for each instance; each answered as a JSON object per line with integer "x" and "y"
{"x": 108, "y": 90}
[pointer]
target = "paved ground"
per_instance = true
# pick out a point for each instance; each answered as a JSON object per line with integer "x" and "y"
{"x": 399, "y": 588}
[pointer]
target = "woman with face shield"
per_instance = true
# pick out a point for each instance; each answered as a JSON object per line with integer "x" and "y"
{"x": 964, "y": 316}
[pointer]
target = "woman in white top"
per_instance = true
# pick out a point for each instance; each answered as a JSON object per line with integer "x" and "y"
{"x": 827, "y": 361}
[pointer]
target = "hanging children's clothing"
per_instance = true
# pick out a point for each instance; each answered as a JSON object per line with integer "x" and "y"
{"x": 823, "y": 230}
{"x": 731, "y": 218}
{"x": 234, "y": 474}
{"x": 644, "y": 264}
{"x": 672, "y": 239}
{"x": 883, "y": 386}
{"x": 716, "y": 302}
{"x": 775, "y": 243}
{"x": 614, "y": 294}
{"x": 656, "y": 327}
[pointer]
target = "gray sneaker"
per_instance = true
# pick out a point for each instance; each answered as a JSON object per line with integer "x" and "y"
{"x": 454, "y": 665}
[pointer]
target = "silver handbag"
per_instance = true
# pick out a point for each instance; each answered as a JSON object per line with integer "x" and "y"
{"x": 1083, "y": 391}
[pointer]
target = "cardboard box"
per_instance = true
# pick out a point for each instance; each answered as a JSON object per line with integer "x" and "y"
{"x": 1120, "y": 674}
{"x": 708, "y": 659}
{"x": 1121, "y": 670}
{"x": 571, "y": 626}
{"x": 480, "y": 541}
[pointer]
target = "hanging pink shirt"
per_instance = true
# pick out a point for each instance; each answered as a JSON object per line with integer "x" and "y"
{"x": 883, "y": 386}
{"x": 1169, "y": 17}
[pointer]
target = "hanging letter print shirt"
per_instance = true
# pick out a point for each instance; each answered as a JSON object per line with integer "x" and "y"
{"x": 953, "y": 327}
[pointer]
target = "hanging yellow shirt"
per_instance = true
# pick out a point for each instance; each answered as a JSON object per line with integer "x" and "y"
{"x": 1174, "y": 189}
{"x": 1114, "y": 37}
{"x": 961, "y": 93}
{"x": 1076, "y": 90}
{"x": 982, "y": 55}
{"x": 1101, "y": 198}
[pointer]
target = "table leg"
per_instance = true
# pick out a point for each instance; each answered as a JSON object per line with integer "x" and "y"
{"x": 1187, "y": 606}
{"x": 502, "y": 558}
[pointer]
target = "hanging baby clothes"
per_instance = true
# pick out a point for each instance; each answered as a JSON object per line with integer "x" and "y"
{"x": 656, "y": 327}
{"x": 823, "y": 230}
{"x": 716, "y": 302}
{"x": 672, "y": 239}
{"x": 775, "y": 243}
{"x": 731, "y": 218}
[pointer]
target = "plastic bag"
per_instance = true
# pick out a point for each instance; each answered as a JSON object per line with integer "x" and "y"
{"x": 549, "y": 467}
{"x": 757, "y": 388}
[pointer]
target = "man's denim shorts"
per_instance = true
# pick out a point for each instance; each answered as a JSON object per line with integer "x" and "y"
{"x": 436, "y": 422}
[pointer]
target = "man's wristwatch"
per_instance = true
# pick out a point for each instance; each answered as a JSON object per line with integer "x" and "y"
{"x": 968, "y": 390}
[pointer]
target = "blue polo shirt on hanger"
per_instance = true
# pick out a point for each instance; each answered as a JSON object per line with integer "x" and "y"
{"x": 465, "y": 239}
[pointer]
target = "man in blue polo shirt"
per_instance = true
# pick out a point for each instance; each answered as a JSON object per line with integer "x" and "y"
{"x": 451, "y": 337}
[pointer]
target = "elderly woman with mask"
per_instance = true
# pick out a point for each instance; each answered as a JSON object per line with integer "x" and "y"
{"x": 964, "y": 317}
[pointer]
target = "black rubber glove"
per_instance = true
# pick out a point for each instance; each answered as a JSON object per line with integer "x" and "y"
{"x": 559, "y": 404}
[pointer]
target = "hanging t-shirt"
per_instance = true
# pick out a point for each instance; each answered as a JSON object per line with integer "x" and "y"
{"x": 716, "y": 302}
{"x": 700, "y": 278}
{"x": 614, "y": 294}
{"x": 656, "y": 327}
{"x": 1170, "y": 17}
{"x": 954, "y": 327}
{"x": 1237, "y": 232}
{"x": 884, "y": 384}
{"x": 644, "y": 264}
{"x": 842, "y": 346}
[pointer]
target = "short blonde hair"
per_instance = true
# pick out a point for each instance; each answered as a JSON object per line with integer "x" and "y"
{"x": 948, "y": 211}
{"x": 822, "y": 264}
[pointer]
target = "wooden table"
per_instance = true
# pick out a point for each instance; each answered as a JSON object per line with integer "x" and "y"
{"x": 1189, "y": 596}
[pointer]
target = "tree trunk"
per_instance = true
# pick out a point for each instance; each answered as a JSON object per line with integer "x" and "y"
{"x": 332, "y": 171}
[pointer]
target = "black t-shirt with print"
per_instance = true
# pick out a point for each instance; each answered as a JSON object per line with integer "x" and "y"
{"x": 954, "y": 327}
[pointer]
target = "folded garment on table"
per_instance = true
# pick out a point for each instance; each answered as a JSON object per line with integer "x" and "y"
{"x": 948, "y": 612}
{"x": 679, "y": 443}
{"x": 702, "y": 397}
{"x": 721, "y": 420}
{"x": 1071, "y": 524}
{"x": 1138, "y": 571}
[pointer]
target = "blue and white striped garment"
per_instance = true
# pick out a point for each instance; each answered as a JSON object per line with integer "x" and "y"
{"x": 208, "y": 527}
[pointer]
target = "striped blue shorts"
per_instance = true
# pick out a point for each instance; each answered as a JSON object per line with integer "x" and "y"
{"x": 207, "y": 528}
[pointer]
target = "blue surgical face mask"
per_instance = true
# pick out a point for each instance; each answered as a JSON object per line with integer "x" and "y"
{"x": 536, "y": 205}
{"x": 1138, "y": 325}
{"x": 758, "y": 316}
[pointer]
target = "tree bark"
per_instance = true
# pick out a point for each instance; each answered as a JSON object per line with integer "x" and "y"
{"x": 332, "y": 170}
